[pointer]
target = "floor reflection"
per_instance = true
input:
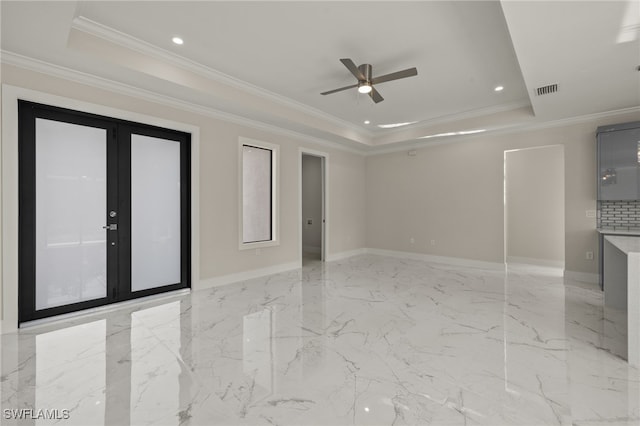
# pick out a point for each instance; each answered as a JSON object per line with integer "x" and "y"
{"x": 368, "y": 340}
{"x": 257, "y": 352}
{"x": 603, "y": 387}
{"x": 123, "y": 369}
{"x": 65, "y": 371}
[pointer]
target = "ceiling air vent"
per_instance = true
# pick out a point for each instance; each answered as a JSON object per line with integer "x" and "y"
{"x": 545, "y": 90}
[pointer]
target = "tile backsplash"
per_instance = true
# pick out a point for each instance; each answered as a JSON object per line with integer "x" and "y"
{"x": 619, "y": 214}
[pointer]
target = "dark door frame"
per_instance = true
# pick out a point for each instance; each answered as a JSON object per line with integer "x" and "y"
{"x": 118, "y": 199}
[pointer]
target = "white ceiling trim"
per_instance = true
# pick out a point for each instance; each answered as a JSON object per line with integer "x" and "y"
{"x": 14, "y": 59}
{"x": 112, "y": 35}
{"x": 515, "y": 128}
{"x": 455, "y": 117}
{"x": 120, "y": 38}
{"x": 21, "y": 61}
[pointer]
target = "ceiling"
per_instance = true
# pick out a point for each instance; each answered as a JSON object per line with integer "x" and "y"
{"x": 268, "y": 61}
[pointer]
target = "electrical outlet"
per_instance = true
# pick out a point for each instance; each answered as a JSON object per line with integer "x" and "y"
{"x": 412, "y": 240}
{"x": 591, "y": 214}
{"x": 589, "y": 255}
{"x": 433, "y": 242}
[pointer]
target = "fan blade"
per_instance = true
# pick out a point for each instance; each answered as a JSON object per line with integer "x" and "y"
{"x": 339, "y": 90}
{"x": 353, "y": 68}
{"x": 375, "y": 95}
{"x": 395, "y": 76}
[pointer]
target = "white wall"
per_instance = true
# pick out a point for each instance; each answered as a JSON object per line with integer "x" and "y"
{"x": 311, "y": 203}
{"x": 453, "y": 193}
{"x": 534, "y": 195}
{"x": 449, "y": 193}
{"x": 220, "y": 259}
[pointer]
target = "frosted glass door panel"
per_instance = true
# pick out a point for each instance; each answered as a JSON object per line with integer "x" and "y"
{"x": 155, "y": 212}
{"x": 71, "y": 257}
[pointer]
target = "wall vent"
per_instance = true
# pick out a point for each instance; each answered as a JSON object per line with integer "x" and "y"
{"x": 545, "y": 90}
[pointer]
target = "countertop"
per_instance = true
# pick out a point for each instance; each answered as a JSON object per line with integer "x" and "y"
{"x": 626, "y": 244}
{"x": 605, "y": 231}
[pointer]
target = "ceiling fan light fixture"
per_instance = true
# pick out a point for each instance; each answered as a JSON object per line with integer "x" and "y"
{"x": 366, "y": 80}
{"x": 364, "y": 87}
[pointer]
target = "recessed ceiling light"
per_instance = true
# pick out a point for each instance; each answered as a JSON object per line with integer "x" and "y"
{"x": 499, "y": 88}
{"x": 177, "y": 40}
{"x": 366, "y": 122}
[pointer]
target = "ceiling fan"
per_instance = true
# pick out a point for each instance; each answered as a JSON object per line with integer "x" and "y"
{"x": 366, "y": 81}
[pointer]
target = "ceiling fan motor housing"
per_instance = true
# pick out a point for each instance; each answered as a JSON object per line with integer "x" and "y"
{"x": 366, "y": 71}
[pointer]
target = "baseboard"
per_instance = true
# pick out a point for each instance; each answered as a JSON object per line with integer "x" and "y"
{"x": 275, "y": 269}
{"x": 536, "y": 262}
{"x": 101, "y": 310}
{"x": 455, "y": 261}
{"x": 345, "y": 254}
{"x": 311, "y": 249}
{"x": 246, "y": 275}
{"x": 584, "y": 277}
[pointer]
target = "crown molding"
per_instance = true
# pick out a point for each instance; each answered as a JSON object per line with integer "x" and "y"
{"x": 475, "y": 113}
{"x": 21, "y": 61}
{"x": 514, "y": 128}
{"x": 112, "y": 35}
{"x": 577, "y": 119}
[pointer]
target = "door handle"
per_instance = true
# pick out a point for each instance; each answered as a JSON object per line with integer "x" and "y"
{"x": 112, "y": 227}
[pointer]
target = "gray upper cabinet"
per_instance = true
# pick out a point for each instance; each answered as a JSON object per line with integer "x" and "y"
{"x": 619, "y": 162}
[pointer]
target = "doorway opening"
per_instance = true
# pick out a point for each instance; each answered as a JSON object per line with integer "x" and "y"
{"x": 313, "y": 205}
{"x": 534, "y": 194}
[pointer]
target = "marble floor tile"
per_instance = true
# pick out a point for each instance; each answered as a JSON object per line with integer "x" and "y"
{"x": 369, "y": 340}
